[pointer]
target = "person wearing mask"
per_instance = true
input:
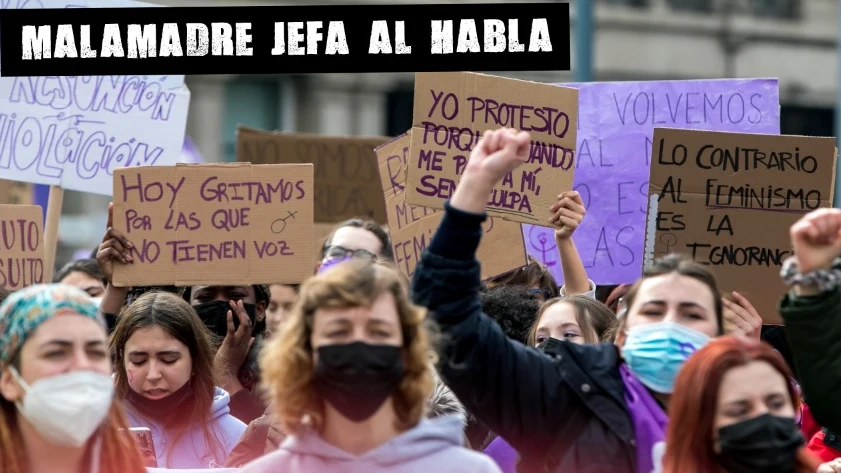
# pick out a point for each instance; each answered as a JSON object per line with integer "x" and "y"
{"x": 164, "y": 373}
{"x": 84, "y": 274}
{"x": 58, "y": 413}
{"x": 350, "y": 378}
{"x": 576, "y": 319}
{"x": 355, "y": 238}
{"x": 811, "y": 311}
{"x": 265, "y": 435}
{"x": 583, "y": 407}
{"x": 283, "y": 297}
{"x": 733, "y": 410}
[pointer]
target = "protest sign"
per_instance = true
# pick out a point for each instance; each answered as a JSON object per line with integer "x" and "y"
{"x": 228, "y": 224}
{"x": 73, "y": 132}
{"x": 21, "y": 246}
{"x": 616, "y": 121}
{"x": 453, "y": 110}
{"x": 729, "y": 199}
{"x": 16, "y": 193}
{"x": 346, "y": 180}
{"x": 411, "y": 228}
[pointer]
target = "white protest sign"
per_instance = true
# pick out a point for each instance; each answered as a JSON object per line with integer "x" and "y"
{"x": 73, "y": 132}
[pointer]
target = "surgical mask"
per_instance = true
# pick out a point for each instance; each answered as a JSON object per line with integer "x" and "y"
{"x": 356, "y": 378}
{"x": 764, "y": 444}
{"x": 655, "y": 352}
{"x": 66, "y": 409}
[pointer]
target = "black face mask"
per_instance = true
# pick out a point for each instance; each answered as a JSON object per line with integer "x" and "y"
{"x": 356, "y": 378}
{"x": 170, "y": 410}
{"x": 764, "y": 444}
{"x": 214, "y": 315}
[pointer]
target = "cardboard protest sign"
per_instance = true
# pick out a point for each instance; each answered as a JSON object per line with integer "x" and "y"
{"x": 411, "y": 228}
{"x": 729, "y": 199}
{"x": 15, "y": 193}
{"x": 452, "y": 111}
{"x": 345, "y": 169}
{"x": 230, "y": 224}
{"x": 21, "y": 246}
{"x": 615, "y": 124}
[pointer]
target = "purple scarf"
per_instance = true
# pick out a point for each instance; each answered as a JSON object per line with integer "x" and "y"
{"x": 333, "y": 262}
{"x": 649, "y": 428}
{"x": 503, "y": 454}
{"x": 649, "y": 422}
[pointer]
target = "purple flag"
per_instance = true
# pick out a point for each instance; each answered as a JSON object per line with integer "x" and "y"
{"x": 616, "y": 121}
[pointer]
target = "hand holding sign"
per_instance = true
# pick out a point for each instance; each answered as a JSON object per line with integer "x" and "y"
{"x": 568, "y": 213}
{"x": 114, "y": 247}
{"x": 816, "y": 239}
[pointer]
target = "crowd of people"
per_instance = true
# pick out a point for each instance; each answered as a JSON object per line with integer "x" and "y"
{"x": 362, "y": 369}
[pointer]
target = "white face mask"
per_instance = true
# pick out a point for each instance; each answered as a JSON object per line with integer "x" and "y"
{"x": 66, "y": 409}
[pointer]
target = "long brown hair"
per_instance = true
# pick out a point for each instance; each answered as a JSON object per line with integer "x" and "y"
{"x": 175, "y": 316}
{"x": 287, "y": 360}
{"x": 692, "y": 409}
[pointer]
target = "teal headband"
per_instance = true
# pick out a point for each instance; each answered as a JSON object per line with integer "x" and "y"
{"x": 25, "y": 310}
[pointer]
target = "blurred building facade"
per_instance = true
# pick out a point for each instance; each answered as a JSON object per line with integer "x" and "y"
{"x": 793, "y": 40}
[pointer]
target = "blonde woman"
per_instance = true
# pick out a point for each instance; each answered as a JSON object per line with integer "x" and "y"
{"x": 58, "y": 413}
{"x": 349, "y": 376}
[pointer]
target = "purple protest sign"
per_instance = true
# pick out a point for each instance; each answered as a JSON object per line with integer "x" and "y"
{"x": 616, "y": 121}
{"x": 190, "y": 153}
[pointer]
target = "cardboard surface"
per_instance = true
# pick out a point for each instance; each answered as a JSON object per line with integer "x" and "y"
{"x": 451, "y": 112}
{"x": 411, "y": 227}
{"x": 729, "y": 200}
{"x": 21, "y": 246}
{"x": 15, "y": 193}
{"x": 345, "y": 169}
{"x": 203, "y": 224}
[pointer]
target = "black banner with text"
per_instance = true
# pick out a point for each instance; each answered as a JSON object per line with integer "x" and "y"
{"x": 285, "y": 39}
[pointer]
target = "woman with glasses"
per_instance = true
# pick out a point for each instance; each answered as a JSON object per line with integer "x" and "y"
{"x": 355, "y": 238}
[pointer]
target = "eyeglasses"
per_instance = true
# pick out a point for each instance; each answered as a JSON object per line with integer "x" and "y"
{"x": 342, "y": 252}
{"x": 541, "y": 292}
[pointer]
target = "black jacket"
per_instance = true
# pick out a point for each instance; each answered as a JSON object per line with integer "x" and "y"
{"x": 565, "y": 415}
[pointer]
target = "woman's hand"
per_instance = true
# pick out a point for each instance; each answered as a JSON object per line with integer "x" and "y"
{"x": 114, "y": 247}
{"x": 495, "y": 155}
{"x": 568, "y": 213}
{"x": 234, "y": 350}
{"x": 742, "y": 316}
{"x": 816, "y": 239}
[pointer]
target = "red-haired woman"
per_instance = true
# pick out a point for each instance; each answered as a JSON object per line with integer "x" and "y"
{"x": 733, "y": 411}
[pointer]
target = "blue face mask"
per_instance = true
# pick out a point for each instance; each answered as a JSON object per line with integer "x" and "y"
{"x": 656, "y": 352}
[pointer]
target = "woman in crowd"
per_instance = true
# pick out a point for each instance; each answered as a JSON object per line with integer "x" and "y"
{"x": 283, "y": 297}
{"x": 84, "y": 274}
{"x": 577, "y": 319}
{"x": 733, "y": 410}
{"x": 58, "y": 413}
{"x": 164, "y": 372}
{"x": 355, "y": 238}
{"x": 812, "y": 310}
{"x": 584, "y": 407}
{"x": 350, "y": 378}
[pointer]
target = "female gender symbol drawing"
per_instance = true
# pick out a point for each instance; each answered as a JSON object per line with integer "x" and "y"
{"x": 542, "y": 240}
